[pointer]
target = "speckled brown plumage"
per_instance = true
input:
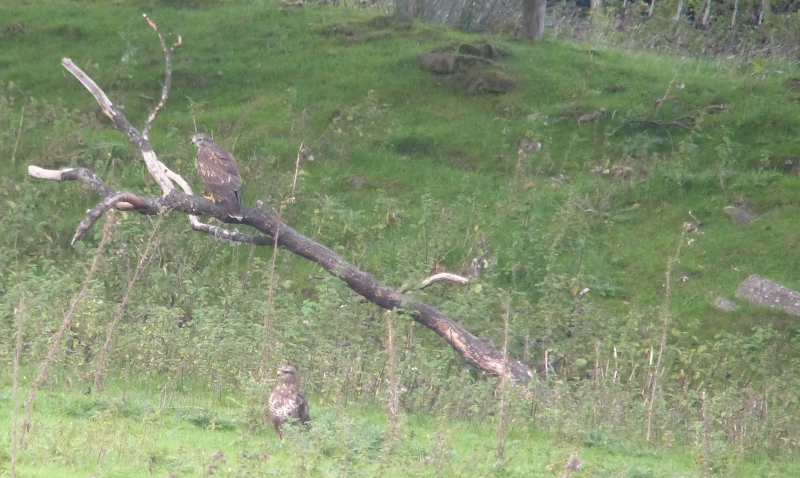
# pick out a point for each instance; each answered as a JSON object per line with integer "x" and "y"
{"x": 218, "y": 171}
{"x": 287, "y": 404}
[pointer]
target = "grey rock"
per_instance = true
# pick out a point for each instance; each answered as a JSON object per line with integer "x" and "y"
{"x": 740, "y": 215}
{"x": 723, "y": 303}
{"x": 761, "y": 291}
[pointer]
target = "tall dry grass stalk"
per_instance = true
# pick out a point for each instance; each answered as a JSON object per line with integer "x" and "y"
{"x": 19, "y": 136}
{"x": 597, "y": 365}
{"x": 706, "y": 442}
{"x": 20, "y": 316}
{"x": 392, "y": 406}
{"x": 108, "y": 230}
{"x": 144, "y": 259}
{"x": 302, "y": 153}
{"x": 665, "y": 311}
{"x": 501, "y": 442}
{"x": 264, "y": 372}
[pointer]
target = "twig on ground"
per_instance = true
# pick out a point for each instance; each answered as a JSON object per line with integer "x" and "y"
{"x": 666, "y": 97}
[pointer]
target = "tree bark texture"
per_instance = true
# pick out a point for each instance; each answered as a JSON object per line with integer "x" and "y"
{"x": 533, "y": 16}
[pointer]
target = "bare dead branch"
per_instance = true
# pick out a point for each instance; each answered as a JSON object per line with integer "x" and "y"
{"x": 476, "y": 350}
{"x": 148, "y": 125}
{"x": 89, "y": 84}
{"x": 446, "y": 276}
{"x": 124, "y": 201}
{"x": 84, "y": 175}
{"x": 154, "y": 166}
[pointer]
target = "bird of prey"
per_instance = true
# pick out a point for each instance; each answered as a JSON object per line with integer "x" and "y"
{"x": 218, "y": 171}
{"x": 287, "y": 404}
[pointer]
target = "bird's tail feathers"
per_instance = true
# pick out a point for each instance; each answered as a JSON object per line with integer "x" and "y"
{"x": 232, "y": 206}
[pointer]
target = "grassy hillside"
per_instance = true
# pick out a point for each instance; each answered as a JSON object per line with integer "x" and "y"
{"x": 413, "y": 173}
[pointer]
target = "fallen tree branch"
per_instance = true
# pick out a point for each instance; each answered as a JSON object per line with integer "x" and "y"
{"x": 475, "y": 350}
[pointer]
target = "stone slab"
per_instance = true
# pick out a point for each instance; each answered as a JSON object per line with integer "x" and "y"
{"x": 761, "y": 291}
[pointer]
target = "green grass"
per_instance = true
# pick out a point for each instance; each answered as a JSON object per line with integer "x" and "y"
{"x": 125, "y": 434}
{"x": 439, "y": 184}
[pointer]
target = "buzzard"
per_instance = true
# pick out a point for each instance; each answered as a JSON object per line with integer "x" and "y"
{"x": 287, "y": 404}
{"x": 219, "y": 173}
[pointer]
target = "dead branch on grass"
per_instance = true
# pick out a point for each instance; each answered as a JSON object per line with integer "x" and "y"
{"x": 476, "y": 350}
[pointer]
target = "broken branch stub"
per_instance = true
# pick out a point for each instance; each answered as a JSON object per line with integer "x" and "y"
{"x": 444, "y": 276}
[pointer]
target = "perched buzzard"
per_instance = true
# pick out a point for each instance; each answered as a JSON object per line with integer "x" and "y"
{"x": 217, "y": 169}
{"x": 287, "y": 404}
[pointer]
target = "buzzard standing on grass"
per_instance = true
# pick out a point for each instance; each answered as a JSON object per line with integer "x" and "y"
{"x": 219, "y": 173}
{"x": 287, "y": 404}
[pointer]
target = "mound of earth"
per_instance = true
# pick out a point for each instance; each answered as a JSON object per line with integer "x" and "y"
{"x": 474, "y": 68}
